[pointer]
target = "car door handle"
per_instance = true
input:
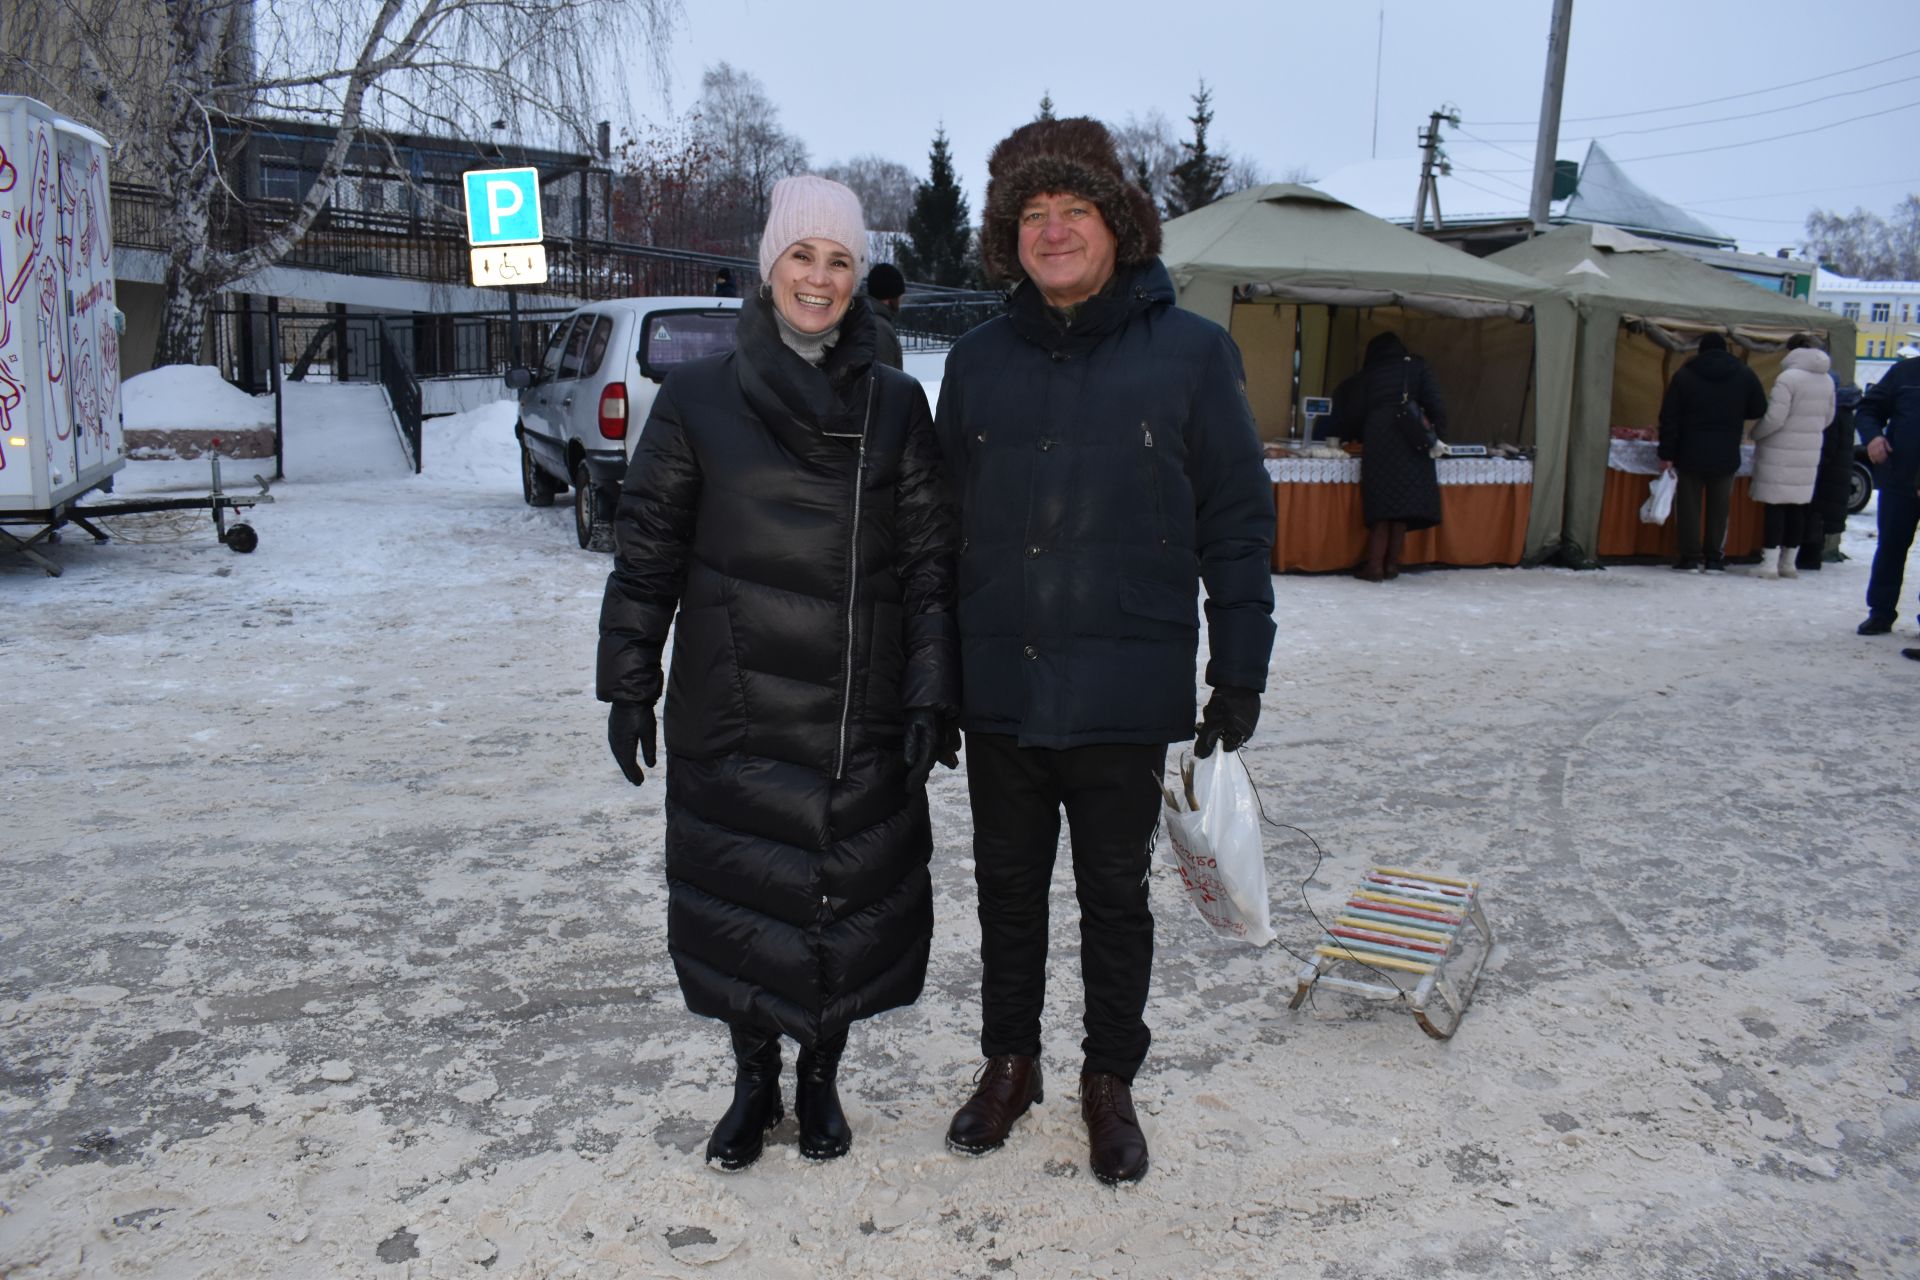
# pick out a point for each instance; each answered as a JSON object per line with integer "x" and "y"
{"x": 567, "y": 403}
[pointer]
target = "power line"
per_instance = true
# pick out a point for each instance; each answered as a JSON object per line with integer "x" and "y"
{"x": 1751, "y": 142}
{"x": 1694, "y": 124}
{"x": 1706, "y": 102}
{"x": 1809, "y": 191}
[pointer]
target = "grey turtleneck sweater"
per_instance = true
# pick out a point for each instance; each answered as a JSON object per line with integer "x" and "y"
{"x": 811, "y": 347}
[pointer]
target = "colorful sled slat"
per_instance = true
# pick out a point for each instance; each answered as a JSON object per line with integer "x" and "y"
{"x": 1406, "y": 922}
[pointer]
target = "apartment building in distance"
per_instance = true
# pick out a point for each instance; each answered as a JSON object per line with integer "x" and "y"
{"x": 1886, "y": 312}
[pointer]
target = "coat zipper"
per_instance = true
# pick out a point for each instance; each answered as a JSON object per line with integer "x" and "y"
{"x": 853, "y": 587}
{"x": 1153, "y": 482}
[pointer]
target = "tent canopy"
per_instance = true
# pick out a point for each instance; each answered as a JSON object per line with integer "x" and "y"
{"x": 1604, "y": 267}
{"x": 1641, "y": 308}
{"x": 1287, "y": 241}
{"x": 1297, "y": 249}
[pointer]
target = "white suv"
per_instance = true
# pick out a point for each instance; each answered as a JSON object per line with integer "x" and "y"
{"x": 599, "y": 373}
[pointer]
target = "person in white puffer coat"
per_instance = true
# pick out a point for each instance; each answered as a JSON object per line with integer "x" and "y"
{"x": 1786, "y": 455}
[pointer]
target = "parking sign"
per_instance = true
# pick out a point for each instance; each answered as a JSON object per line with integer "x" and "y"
{"x": 503, "y": 206}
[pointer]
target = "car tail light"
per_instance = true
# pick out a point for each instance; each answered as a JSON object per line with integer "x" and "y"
{"x": 613, "y": 411}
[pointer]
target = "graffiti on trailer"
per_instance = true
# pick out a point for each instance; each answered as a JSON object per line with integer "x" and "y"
{"x": 11, "y": 390}
{"x": 90, "y": 386}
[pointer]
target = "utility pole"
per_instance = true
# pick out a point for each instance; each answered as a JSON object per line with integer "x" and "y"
{"x": 1379, "y": 53}
{"x": 1433, "y": 163}
{"x": 1548, "y": 140}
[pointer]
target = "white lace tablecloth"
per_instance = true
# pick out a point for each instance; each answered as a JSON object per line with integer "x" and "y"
{"x": 1642, "y": 457}
{"x": 1450, "y": 470}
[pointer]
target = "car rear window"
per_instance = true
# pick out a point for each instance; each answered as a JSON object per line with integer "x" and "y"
{"x": 675, "y": 337}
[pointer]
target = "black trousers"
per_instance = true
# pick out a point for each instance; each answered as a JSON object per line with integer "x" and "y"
{"x": 1787, "y": 525}
{"x": 1111, "y": 794}
{"x": 1718, "y": 493}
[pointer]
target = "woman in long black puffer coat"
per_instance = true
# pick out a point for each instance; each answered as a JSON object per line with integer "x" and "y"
{"x": 1399, "y": 487}
{"x": 785, "y": 512}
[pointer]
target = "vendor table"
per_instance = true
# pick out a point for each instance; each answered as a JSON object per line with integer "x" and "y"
{"x": 1630, "y": 466}
{"x": 1318, "y": 526}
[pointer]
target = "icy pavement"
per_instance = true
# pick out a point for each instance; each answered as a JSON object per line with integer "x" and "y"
{"x": 334, "y": 941}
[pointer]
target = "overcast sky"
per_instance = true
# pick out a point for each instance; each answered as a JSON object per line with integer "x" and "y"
{"x": 1293, "y": 85}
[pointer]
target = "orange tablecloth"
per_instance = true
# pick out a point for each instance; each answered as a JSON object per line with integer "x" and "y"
{"x": 1623, "y": 534}
{"x": 1318, "y": 528}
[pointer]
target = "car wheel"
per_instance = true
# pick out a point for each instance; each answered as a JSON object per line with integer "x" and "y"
{"x": 1859, "y": 488}
{"x": 590, "y": 519}
{"x": 534, "y": 486}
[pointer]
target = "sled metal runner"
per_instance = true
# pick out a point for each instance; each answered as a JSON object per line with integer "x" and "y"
{"x": 1403, "y": 927}
{"x": 217, "y": 502}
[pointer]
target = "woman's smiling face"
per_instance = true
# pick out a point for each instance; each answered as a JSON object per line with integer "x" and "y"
{"x": 812, "y": 284}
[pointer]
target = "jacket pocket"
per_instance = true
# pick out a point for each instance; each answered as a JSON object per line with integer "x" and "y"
{"x": 706, "y": 712}
{"x": 1150, "y": 471}
{"x": 1161, "y": 601}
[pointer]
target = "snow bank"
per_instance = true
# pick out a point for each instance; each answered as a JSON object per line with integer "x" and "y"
{"x": 181, "y": 396}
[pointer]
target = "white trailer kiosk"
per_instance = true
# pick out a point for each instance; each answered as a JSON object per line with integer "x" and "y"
{"x": 61, "y": 436}
{"x": 60, "y": 433}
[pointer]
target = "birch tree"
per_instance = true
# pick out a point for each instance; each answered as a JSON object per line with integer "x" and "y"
{"x": 164, "y": 79}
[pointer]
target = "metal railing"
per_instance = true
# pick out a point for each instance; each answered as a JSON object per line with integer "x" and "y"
{"x": 404, "y": 394}
{"x": 409, "y": 247}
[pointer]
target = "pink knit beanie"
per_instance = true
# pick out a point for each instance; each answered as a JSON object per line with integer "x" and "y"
{"x": 805, "y": 207}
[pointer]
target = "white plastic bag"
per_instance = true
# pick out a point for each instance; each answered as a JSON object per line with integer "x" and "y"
{"x": 1659, "y": 503}
{"x": 1213, "y": 830}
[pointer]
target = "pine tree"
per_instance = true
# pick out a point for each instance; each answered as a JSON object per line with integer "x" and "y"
{"x": 1046, "y": 105}
{"x": 939, "y": 231}
{"x": 1196, "y": 180}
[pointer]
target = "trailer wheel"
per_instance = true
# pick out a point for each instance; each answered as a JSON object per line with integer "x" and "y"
{"x": 534, "y": 485}
{"x": 1859, "y": 488}
{"x": 590, "y": 516}
{"x": 242, "y": 538}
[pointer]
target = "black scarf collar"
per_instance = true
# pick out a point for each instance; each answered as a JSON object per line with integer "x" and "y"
{"x": 782, "y": 387}
{"x": 1127, "y": 292}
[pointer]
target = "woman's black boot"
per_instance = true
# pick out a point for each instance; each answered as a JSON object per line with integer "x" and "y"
{"x": 824, "y": 1134}
{"x": 738, "y": 1138}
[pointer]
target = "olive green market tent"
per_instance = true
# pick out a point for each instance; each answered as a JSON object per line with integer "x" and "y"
{"x": 1642, "y": 309}
{"x": 1303, "y": 280}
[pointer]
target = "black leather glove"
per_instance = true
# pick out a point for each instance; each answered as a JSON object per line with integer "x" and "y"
{"x": 923, "y": 741}
{"x": 631, "y": 731}
{"x": 949, "y": 752}
{"x": 1228, "y": 720}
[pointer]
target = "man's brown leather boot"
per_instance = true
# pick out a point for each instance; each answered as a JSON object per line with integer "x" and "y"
{"x": 1116, "y": 1149}
{"x": 1008, "y": 1085}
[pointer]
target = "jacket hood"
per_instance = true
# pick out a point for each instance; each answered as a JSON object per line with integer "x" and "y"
{"x": 1812, "y": 359}
{"x": 1716, "y": 366}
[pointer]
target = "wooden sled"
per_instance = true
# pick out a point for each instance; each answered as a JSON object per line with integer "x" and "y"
{"x": 1406, "y": 927}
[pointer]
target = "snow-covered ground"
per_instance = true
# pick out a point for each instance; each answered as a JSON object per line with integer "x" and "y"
{"x": 334, "y": 943}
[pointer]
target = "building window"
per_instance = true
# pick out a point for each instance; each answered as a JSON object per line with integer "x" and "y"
{"x": 1882, "y": 312}
{"x": 1825, "y": 306}
{"x": 1850, "y": 310}
{"x": 1906, "y": 313}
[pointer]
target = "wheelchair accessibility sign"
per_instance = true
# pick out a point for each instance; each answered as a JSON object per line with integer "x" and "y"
{"x": 503, "y": 206}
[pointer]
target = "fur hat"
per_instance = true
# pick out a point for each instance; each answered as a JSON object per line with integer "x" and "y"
{"x": 804, "y": 207}
{"x": 1074, "y": 156}
{"x": 1712, "y": 342}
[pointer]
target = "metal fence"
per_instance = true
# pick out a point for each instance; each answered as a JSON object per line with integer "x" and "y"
{"x": 403, "y": 392}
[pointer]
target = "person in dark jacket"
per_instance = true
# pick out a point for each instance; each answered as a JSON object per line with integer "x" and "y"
{"x": 786, "y": 514}
{"x": 1702, "y": 416}
{"x": 1107, "y": 462}
{"x": 1888, "y": 420}
{"x": 885, "y": 287}
{"x": 1835, "y": 483}
{"x": 1399, "y": 487}
{"x": 723, "y": 285}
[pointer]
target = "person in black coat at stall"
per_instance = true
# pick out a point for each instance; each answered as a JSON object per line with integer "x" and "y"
{"x": 1107, "y": 463}
{"x": 785, "y": 512}
{"x": 1834, "y": 485}
{"x": 1706, "y": 408}
{"x": 1399, "y": 487}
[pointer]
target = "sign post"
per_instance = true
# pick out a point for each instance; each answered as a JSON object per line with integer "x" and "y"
{"x": 505, "y": 232}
